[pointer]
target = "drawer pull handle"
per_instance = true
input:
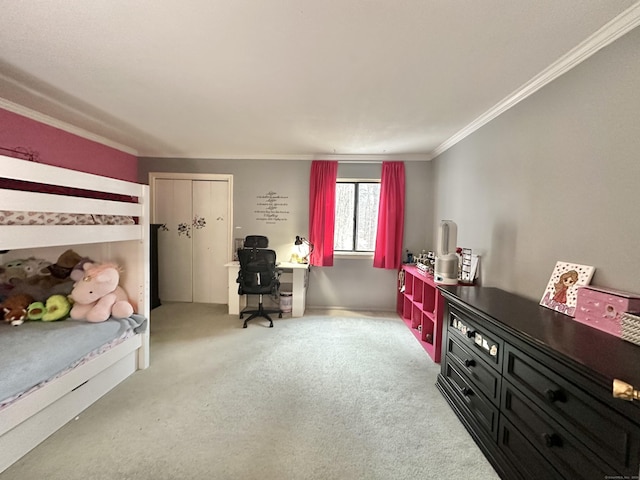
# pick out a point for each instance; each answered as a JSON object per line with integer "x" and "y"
{"x": 555, "y": 395}
{"x": 471, "y": 333}
{"x": 467, "y": 392}
{"x": 469, "y": 363}
{"x": 625, "y": 391}
{"x": 552, "y": 440}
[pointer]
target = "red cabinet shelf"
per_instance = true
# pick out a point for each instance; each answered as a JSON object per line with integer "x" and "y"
{"x": 420, "y": 307}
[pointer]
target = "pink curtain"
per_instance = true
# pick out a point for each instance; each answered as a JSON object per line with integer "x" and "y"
{"x": 388, "y": 253}
{"x": 322, "y": 211}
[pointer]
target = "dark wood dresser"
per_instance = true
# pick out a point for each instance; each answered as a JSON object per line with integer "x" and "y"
{"x": 534, "y": 387}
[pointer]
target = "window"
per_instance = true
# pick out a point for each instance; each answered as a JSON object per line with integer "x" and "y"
{"x": 356, "y": 220}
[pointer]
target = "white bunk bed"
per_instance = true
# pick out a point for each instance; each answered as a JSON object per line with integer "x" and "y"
{"x": 30, "y": 419}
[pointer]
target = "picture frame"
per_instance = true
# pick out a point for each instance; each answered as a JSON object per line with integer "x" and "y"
{"x": 561, "y": 293}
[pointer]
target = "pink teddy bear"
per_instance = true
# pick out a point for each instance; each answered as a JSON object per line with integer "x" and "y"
{"x": 97, "y": 295}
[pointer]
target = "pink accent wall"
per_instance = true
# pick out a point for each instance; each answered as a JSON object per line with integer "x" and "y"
{"x": 64, "y": 149}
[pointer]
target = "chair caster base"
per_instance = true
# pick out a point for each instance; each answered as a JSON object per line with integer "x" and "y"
{"x": 259, "y": 313}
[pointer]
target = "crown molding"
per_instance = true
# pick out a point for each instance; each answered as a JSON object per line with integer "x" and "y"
{"x": 407, "y": 157}
{"x": 67, "y": 127}
{"x": 611, "y": 31}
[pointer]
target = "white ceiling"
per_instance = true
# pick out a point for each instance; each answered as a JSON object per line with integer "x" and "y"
{"x": 288, "y": 78}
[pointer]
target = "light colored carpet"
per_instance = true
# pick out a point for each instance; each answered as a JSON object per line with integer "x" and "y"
{"x": 332, "y": 395}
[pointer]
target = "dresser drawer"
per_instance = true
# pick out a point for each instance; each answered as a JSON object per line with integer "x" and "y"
{"x": 598, "y": 426}
{"x": 562, "y": 449}
{"x": 532, "y": 464}
{"x": 484, "y": 413}
{"x": 478, "y": 339}
{"x": 481, "y": 375}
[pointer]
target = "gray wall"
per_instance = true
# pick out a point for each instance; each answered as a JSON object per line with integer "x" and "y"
{"x": 554, "y": 178}
{"x": 350, "y": 283}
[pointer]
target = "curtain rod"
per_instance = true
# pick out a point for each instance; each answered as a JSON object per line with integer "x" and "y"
{"x": 372, "y": 162}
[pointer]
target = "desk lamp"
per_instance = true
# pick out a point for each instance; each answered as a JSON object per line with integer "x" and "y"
{"x": 302, "y": 248}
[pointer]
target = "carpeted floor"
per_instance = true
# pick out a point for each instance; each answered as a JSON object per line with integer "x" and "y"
{"x": 332, "y": 395}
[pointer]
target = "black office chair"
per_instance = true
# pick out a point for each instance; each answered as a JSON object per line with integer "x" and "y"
{"x": 258, "y": 275}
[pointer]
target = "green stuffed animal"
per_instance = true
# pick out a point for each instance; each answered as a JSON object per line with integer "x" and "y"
{"x": 57, "y": 307}
{"x": 36, "y": 310}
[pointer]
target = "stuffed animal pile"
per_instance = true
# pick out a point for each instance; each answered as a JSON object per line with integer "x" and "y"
{"x": 29, "y": 290}
{"x": 74, "y": 286}
{"x": 37, "y": 277}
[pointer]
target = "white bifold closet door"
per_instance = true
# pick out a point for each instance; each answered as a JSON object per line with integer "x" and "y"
{"x": 193, "y": 241}
{"x": 210, "y": 242}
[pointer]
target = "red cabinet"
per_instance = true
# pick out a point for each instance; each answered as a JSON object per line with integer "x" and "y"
{"x": 420, "y": 306}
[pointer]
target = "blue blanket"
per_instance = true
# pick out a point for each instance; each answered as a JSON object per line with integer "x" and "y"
{"x": 36, "y": 351}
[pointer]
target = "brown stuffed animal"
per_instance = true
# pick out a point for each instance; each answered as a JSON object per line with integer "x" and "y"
{"x": 66, "y": 261}
{"x": 15, "y": 308}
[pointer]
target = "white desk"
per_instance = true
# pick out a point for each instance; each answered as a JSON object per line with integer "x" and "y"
{"x": 299, "y": 292}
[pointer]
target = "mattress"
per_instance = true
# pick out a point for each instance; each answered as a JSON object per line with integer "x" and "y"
{"x": 35, "y": 353}
{"x": 8, "y": 217}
